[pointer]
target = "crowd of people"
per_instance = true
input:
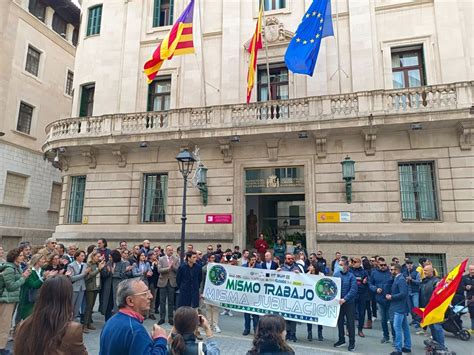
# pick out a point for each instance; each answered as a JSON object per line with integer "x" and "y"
{"x": 141, "y": 281}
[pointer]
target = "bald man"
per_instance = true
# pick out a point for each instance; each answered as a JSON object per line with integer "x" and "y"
{"x": 428, "y": 284}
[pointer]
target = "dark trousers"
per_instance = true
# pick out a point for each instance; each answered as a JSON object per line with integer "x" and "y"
{"x": 309, "y": 327}
{"x": 373, "y": 305}
{"x": 110, "y": 306}
{"x": 348, "y": 312}
{"x": 360, "y": 313}
{"x": 384, "y": 312}
{"x": 290, "y": 327}
{"x": 250, "y": 317}
{"x": 368, "y": 309}
{"x": 90, "y": 301}
{"x": 167, "y": 293}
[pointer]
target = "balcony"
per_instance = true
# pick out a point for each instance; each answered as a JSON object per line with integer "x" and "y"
{"x": 344, "y": 111}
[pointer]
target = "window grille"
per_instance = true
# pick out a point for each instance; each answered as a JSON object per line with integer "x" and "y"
{"x": 154, "y": 198}
{"x": 76, "y": 198}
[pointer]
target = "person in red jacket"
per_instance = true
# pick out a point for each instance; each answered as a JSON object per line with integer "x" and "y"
{"x": 261, "y": 245}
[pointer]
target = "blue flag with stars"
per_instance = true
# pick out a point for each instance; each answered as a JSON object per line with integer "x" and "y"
{"x": 303, "y": 49}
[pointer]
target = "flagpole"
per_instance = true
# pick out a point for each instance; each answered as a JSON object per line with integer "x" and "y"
{"x": 338, "y": 54}
{"x": 266, "y": 50}
{"x": 203, "y": 69}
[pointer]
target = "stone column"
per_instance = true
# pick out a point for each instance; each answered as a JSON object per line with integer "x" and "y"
{"x": 48, "y": 19}
{"x": 69, "y": 32}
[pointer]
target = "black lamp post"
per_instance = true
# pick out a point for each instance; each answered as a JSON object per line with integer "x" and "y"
{"x": 186, "y": 161}
{"x": 285, "y": 227}
{"x": 348, "y": 174}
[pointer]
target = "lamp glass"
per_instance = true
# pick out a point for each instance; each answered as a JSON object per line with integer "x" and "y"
{"x": 202, "y": 177}
{"x": 185, "y": 162}
{"x": 348, "y": 170}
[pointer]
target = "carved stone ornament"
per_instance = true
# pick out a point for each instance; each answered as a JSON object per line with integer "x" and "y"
{"x": 370, "y": 137}
{"x": 272, "y": 148}
{"x": 91, "y": 156}
{"x": 465, "y": 131}
{"x": 274, "y": 32}
{"x": 121, "y": 155}
{"x": 226, "y": 150}
{"x": 320, "y": 140}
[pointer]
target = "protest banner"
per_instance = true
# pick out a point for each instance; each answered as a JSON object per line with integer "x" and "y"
{"x": 298, "y": 297}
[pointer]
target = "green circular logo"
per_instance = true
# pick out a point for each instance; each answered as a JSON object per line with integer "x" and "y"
{"x": 326, "y": 289}
{"x": 217, "y": 275}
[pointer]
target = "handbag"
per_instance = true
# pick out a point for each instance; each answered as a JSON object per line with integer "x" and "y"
{"x": 33, "y": 294}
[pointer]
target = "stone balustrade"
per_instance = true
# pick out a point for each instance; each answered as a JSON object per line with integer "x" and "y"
{"x": 307, "y": 109}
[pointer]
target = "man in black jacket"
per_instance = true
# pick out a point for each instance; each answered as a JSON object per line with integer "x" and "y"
{"x": 468, "y": 286}
{"x": 428, "y": 285}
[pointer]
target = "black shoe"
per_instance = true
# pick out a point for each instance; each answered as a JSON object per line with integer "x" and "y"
{"x": 310, "y": 336}
{"x": 395, "y": 353}
{"x": 170, "y": 321}
{"x": 406, "y": 350}
{"x": 385, "y": 341}
{"x": 320, "y": 337}
{"x": 351, "y": 347}
{"x": 161, "y": 321}
{"x": 340, "y": 343}
{"x": 246, "y": 332}
{"x": 152, "y": 316}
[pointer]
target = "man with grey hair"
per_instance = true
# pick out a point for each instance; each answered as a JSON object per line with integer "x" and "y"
{"x": 124, "y": 333}
{"x": 49, "y": 247}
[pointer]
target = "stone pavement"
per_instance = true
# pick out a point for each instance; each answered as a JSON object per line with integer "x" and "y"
{"x": 231, "y": 341}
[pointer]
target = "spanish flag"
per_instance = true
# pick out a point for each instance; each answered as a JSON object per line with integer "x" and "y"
{"x": 178, "y": 41}
{"x": 441, "y": 297}
{"x": 255, "y": 45}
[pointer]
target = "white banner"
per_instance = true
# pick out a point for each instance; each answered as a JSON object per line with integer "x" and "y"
{"x": 299, "y": 297}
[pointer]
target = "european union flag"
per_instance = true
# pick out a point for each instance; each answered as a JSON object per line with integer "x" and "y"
{"x": 303, "y": 49}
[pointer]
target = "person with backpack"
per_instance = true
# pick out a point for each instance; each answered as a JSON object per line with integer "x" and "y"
{"x": 11, "y": 280}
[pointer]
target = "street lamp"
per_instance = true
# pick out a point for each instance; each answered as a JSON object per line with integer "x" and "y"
{"x": 186, "y": 161}
{"x": 285, "y": 227}
{"x": 348, "y": 174}
{"x": 202, "y": 183}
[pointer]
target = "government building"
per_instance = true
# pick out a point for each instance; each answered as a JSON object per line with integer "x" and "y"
{"x": 391, "y": 97}
{"x": 37, "y": 48}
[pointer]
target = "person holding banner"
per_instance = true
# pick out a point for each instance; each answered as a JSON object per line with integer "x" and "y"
{"x": 212, "y": 312}
{"x": 252, "y": 264}
{"x": 347, "y": 302}
{"x": 290, "y": 266}
{"x": 313, "y": 269}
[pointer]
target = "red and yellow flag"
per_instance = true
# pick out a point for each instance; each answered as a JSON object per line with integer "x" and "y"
{"x": 441, "y": 297}
{"x": 255, "y": 45}
{"x": 178, "y": 41}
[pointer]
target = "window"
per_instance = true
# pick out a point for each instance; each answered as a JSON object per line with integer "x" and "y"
{"x": 87, "y": 100}
{"x": 155, "y": 187}
{"x": 274, "y": 4}
{"x": 69, "y": 82}
{"x": 418, "y": 192}
{"x": 162, "y": 13}
{"x": 438, "y": 261}
{"x": 76, "y": 199}
{"x": 59, "y": 25}
{"x": 37, "y": 9}
{"x": 278, "y": 82}
{"x": 15, "y": 189}
{"x": 159, "y": 94}
{"x": 94, "y": 20}
{"x": 408, "y": 67}
{"x": 55, "y": 202}
{"x": 32, "y": 61}
{"x": 24, "y": 118}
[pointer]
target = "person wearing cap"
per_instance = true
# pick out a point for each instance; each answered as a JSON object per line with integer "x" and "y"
{"x": 362, "y": 277}
{"x": 413, "y": 280}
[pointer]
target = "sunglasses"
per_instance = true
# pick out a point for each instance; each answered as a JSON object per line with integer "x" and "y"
{"x": 382, "y": 265}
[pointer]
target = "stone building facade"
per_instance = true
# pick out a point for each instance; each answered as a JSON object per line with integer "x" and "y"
{"x": 399, "y": 104}
{"x": 37, "y": 50}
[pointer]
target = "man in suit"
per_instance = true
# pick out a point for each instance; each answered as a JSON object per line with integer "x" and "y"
{"x": 78, "y": 271}
{"x": 167, "y": 267}
{"x": 398, "y": 298}
{"x": 268, "y": 263}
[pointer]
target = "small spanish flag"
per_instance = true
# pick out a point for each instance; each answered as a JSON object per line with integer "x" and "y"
{"x": 441, "y": 297}
{"x": 255, "y": 45}
{"x": 178, "y": 41}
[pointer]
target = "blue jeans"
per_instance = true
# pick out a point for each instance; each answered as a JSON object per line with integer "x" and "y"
{"x": 383, "y": 309}
{"x": 400, "y": 324}
{"x": 438, "y": 333}
{"x": 414, "y": 302}
{"x": 247, "y": 318}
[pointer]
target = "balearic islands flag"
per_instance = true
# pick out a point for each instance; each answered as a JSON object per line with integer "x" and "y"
{"x": 302, "y": 52}
{"x": 255, "y": 45}
{"x": 178, "y": 41}
{"x": 441, "y": 297}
